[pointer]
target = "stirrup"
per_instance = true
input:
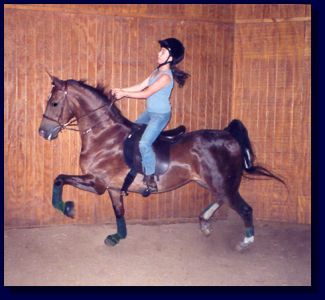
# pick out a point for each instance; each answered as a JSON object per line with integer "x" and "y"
{"x": 149, "y": 180}
{"x": 148, "y": 191}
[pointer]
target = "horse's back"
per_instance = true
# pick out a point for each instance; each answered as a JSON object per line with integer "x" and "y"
{"x": 214, "y": 148}
{"x": 206, "y": 136}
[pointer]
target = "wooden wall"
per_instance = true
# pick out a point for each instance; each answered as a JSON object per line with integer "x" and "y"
{"x": 118, "y": 47}
{"x": 271, "y": 94}
{"x": 197, "y": 12}
{"x": 247, "y": 61}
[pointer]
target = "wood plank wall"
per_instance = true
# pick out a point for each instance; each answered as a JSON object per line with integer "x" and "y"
{"x": 271, "y": 94}
{"x": 200, "y": 12}
{"x": 247, "y": 61}
{"x": 117, "y": 47}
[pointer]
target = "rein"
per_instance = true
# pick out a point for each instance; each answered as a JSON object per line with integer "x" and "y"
{"x": 74, "y": 120}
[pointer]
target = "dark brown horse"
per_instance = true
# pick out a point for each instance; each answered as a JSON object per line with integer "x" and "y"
{"x": 215, "y": 159}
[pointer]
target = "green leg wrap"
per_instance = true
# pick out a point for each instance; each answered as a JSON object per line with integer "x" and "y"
{"x": 121, "y": 227}
{"x": 114, "y": 239}
{"x": 57, "y": 196}
{"x": 249, "y": 232}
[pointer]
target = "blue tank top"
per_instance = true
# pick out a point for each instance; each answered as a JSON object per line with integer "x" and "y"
{"x": 159, "y": 101}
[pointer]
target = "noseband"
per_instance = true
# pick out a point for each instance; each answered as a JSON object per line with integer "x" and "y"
{"x": 74, "y": 120}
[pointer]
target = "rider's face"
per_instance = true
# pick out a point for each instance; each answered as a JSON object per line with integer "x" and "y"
{"x": 163, "y": 55}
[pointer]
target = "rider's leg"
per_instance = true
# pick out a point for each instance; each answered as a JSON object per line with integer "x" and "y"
{"x": 144, "y": 118}
{"x": 155, "y": 126}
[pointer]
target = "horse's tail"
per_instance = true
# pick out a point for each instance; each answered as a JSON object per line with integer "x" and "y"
{"x": 237, "y": 129}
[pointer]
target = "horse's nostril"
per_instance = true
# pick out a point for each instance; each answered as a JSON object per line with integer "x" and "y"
{"x": 41, "y": 132}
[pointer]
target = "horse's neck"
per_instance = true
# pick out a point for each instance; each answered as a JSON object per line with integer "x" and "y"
{"x": 86, "y": 106}
{"x": 87, "y": 109}
{"x": 106, "y": 138}
{"x": 96, "y": 123}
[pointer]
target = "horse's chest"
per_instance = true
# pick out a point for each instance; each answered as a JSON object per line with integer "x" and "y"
{"x": 103, "y": 160}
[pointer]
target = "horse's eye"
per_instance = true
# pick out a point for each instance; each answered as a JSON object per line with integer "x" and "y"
{"x": 54, "y": 104}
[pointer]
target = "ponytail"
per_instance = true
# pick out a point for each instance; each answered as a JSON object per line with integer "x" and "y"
{"x": 179, "y": 75}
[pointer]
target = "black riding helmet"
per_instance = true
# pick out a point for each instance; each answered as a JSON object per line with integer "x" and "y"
{"x": 175, "y": 48}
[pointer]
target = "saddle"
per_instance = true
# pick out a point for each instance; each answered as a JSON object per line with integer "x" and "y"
{"x": 161, "y": 147}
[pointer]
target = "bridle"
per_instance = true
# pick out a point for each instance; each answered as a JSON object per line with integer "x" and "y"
{"x": 74, "y": 120}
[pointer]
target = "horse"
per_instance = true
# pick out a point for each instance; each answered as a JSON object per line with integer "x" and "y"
{"x": 215, "y": 159}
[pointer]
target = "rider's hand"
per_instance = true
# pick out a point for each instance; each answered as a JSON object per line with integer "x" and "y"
{"x": 114, "y": 91}
{"x": 118, "y": 93}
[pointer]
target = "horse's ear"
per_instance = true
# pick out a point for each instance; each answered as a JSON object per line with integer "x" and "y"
{"x": 57, "y": 82}
{"x": 48, "y": 73}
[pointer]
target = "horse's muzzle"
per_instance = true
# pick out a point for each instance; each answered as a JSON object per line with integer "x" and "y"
{"x": 49, "y": 134}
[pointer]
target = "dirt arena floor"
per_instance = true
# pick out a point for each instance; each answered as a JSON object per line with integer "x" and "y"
{"x": 158, "y": 255}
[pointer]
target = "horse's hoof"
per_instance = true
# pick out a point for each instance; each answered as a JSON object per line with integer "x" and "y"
{"x": 146, "y": 192}
{"x": 245, "y": 244}
{"x": 205, "y": 228}
{"x": 69, "y": 210}
{"x": 112, "y": 240}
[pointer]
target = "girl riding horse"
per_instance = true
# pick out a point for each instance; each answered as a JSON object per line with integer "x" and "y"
{"x": 156, "y": 89}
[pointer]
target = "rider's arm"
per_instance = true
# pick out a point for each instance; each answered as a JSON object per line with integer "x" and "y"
{"x": 138, "y": 87}
{"x": 150, "y": 90}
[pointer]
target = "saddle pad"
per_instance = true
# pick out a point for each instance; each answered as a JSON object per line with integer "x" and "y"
{"x": 132, "y": 154}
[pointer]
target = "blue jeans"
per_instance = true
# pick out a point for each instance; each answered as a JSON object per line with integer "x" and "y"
{"x": 156, "y": 122}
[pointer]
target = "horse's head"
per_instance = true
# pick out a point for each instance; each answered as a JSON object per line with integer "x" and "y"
{"x": 57, "y": 112}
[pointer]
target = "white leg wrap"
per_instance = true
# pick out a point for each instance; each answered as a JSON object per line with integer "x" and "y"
{"x": 245, "y": 244}
{"x": 209, "y": 212}
{"x": 248, "y": 240}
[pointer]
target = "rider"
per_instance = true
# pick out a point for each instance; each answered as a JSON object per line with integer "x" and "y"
{"x": 156, "y": 89}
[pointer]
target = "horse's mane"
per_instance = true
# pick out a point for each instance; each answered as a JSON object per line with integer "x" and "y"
{"x": 106, "y": 97}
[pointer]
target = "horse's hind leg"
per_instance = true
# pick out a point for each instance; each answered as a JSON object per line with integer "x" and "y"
{"x": 206, "y": 215}
{"x": 118, "y": 206}
{"x": 246, "y": 212}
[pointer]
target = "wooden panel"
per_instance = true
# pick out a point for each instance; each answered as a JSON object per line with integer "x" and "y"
{"x": 259, "y": 72}
{"x": 270, "y": 11}
{"x": 271, "y": 94}
{"x": 116, "y": 51}
{"x": 195, "y": 12}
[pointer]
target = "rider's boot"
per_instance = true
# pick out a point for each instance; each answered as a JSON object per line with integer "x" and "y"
{"x": 149, "y": 180}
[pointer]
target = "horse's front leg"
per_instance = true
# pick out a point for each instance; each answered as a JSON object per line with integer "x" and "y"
{"x": 83, "y": 182}
{"x": 118, "y": 206}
